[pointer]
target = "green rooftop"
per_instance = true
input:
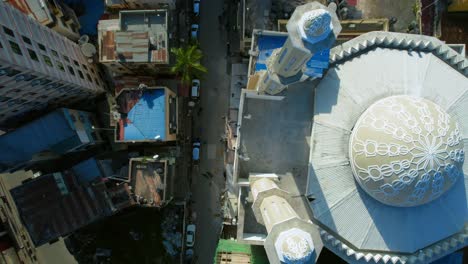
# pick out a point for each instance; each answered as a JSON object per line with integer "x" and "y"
{"x": 229, "y": 250}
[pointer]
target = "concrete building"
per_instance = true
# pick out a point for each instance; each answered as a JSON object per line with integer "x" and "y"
{"x": 148, "y": 178}
{"x": 312, "y": 30}
{"x": 39, "y": 68}
{"x": 141, "y": 4}
{"x": 53, "y": 14}
{"x": 47, "y": 138}
{"x": 135, "y": 43}
{"x": 23, "y": 249}
{"x": 370, "y": 157}
{"x": 146, "y": 112}
{"x": 54, "y": 205}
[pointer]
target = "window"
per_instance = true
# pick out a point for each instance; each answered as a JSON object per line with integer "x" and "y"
{"x": 76, "y": 63}
{"x": 30, "y": 77}
{"x": 4, "y": 99}
{"x": 92, "y": 70}
{"x": 66, "y": 58}
{"x": 12, "y": 72}
{"x": 85, "y": 67}
{"x": 81, "y": 74}
{"x": 89, "y": 77}
{"x": 32, "y": 93}
{"x": 45, "y": 81}
{"x": 8, "y": 31}
{"x": 33, "y": 55}
{"x": 27, "y": 40}
{"x": 15, "y": 47}
{"x": 60, "y": 65}
{"x": 54, "y": 53}
{"x": 70, "y": 69}
{"x": 42, "y": 47}
{"x": 1, "y": 46}
{"x": 96, "y": 81}
{"x": 47, "y": 60}
{"x": 16, "y": 90}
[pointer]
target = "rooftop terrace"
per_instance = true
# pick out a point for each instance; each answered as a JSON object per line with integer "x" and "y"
{"x": 137, "y": 36}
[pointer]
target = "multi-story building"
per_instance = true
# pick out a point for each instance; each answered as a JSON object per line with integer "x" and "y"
{"x": 135, "y": 43}
{"x": 47, "y": 138}
{"x": 39, "y": 67}
{"x": 53, "y": 14}
{"x": 139, "y": 4}
{"x": 21, "y": 248}
{"x": 144, "y": 111}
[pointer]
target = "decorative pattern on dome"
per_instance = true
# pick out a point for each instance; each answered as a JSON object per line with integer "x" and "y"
{"x": 406, "y": 151}
{"x": 315, "y": 25}
{"x": 294, "y": 246}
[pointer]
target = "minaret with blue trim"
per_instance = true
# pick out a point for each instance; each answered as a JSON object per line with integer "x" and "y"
{"x": 312, "y": 30}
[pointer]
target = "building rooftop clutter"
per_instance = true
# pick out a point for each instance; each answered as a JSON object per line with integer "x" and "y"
{"x": 61, "y": 131}
{"x": 137, "y": 36}
{"x": 418, "y": 179}
{"x": 148, "y": 178}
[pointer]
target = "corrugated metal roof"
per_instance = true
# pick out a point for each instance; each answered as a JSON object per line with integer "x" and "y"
{"x": 54, "y": 205}
{"x": 140, "y": 36}
{"x": 366, "y": 69}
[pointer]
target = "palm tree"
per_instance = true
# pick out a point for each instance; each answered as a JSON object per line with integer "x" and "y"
{"x": 187, "y": 63}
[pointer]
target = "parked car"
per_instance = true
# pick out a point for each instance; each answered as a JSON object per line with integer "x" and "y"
{"x": 194, "y": 31}
{"x": 196, "y": 151}
{"x": 190, "y": 235}
{"x": 196, "y": 7}
{"x": 195, "y": 93}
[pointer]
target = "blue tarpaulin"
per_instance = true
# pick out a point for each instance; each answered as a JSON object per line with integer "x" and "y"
{"x": 147, "y": 118}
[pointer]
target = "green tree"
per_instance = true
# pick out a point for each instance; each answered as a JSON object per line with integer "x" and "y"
{"x": 187, "y": 63}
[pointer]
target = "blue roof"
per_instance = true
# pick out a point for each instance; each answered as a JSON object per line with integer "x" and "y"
{"x": 268, "y": 43}
{"x": 87, "y": 171}
{"x": 147, "y": 117}
{"x": 42, "y": 134}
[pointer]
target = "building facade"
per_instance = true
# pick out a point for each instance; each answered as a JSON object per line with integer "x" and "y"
{"x": 57, "y": 133}
{"x": 39, "y": 67}
{"x": 53, "y": 14}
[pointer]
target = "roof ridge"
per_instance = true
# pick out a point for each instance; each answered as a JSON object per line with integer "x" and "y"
{"x": 395, "y": 40}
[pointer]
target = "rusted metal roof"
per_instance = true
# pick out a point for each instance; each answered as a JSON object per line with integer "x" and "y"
{"x": 54, "y": 205}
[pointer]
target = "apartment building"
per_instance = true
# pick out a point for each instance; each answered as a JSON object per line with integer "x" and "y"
{"x": 53, "y": 14}
{"x": 48, "y": 138}
{"x": 39, "y": 67}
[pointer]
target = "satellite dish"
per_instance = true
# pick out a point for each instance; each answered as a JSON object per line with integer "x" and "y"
{"x": 88, "y": 50}
{"x": 83, "y": 40}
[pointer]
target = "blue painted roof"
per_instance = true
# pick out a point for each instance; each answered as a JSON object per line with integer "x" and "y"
{"x": 147, "y": 117}
{"x": 267, "y": 43}
{"x": 42, "y": 134}
{"x": 87, "y": 171}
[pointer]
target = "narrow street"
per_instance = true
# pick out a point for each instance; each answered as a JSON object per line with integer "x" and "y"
{"x": 209, "y": 127}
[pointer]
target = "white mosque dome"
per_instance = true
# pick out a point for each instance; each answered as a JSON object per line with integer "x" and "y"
{"x": 406, "y": 151}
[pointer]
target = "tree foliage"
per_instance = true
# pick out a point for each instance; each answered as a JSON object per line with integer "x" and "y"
{"x": 188, "y": 64}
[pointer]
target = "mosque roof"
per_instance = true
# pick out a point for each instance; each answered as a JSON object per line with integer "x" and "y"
{"x": 420, "y": 223}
